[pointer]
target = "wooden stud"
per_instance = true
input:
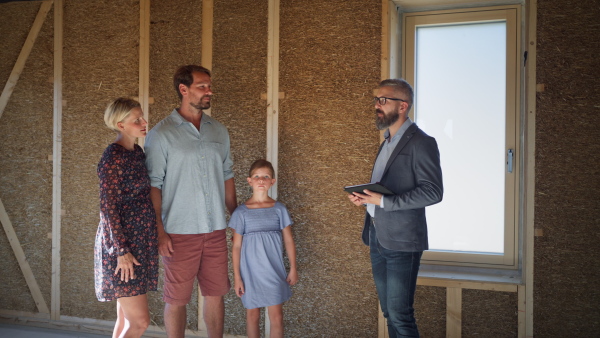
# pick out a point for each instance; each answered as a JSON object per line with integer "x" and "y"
{"x": 464, "y": 284}
{"x": 206, "y": 60}
{"x": 394, "y": 40}
{"x": 385, "y": 39}
{"x": 521, "y": 311}
{"x": 263, "y": 96}
{"x": 150, "y": 99}
{"x": 34, "y": 288}
{"x": 529, "y": 168}
{"x": 453, "y": 312}
{"x": 87, "y": 325}
{"x": 273, "y": 94}
{"x": 57, "y": 159}
{"x": 207, "y": 37}
{"x": 382, "y": 331}
{"x": 272, "y": 104}
{"x": 25, "y": 51}
{"x": 144, "y": 66}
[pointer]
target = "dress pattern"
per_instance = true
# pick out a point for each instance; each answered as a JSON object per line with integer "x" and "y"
{"x": 261, "y": 257}
{"x": 127, "y": 224}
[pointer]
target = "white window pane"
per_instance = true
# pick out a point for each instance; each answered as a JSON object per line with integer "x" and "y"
{"x": 460, "y": 99}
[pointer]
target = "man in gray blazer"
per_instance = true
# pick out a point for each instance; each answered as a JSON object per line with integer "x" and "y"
{"x": 395, "y": 228}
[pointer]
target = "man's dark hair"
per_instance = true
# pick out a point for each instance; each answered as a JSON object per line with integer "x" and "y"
{"x": 184, "y": 75}
{"x": 401, "y": 86}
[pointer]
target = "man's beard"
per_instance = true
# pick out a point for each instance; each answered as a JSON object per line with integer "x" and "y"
{"x": 387, "y": 120}
{"x": 201, "y": 105}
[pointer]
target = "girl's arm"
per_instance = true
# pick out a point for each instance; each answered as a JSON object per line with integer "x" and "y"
{"x": 290, "y": 249}
{"x": 238, "y": 284}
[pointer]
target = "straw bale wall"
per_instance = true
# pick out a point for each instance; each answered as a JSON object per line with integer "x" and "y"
{"x": 329, "y": 67}
{"x": 240, "y": 78}
{"x": 567, "y": 176}
{"x": 175, "y": 30}
{"x": 329, "y": 64}
{"x": 25, "y": 143}
{"x": 100, "y": 59}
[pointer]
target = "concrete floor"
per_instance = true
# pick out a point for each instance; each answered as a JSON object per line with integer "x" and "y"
{"x": 19, "y": 331}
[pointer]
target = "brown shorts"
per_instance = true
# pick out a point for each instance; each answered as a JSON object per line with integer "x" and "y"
{"x": 202, "y": 257}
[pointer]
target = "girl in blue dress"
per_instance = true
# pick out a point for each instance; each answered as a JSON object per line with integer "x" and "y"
{"x": 261, "y": 226}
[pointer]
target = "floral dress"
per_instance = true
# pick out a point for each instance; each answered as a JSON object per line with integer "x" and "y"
{"x": 127, "y": 224}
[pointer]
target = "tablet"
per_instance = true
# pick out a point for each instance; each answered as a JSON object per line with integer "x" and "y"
{"x": 376, "y": 187}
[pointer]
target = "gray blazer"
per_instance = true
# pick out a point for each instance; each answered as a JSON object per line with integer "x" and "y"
{"x": 414, "y": 174}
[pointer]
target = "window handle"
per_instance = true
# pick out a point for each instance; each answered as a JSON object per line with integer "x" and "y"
{"x": 510, "y": 160}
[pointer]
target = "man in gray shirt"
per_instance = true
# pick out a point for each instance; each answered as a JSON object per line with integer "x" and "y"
{"x": 190, "y": 167}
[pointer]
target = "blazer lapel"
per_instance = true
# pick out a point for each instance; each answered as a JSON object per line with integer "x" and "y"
{"x": 408, "y": 134}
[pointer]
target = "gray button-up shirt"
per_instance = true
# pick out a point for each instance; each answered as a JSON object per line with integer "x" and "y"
{"x": 384, "y": 156}
{"x": 190, "y": 167}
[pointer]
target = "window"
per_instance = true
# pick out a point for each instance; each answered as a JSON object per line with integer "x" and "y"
{"x": 464, "y": 66}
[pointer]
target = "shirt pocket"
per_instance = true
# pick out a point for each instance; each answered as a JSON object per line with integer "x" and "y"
{"x": 215, "y": 151}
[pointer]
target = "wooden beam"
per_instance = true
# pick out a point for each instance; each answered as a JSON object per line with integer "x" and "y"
{"x": 273, "y": 89}
{"x": 87, "y": 325}
{"x": 385, "y": 39}
{"x": 57, "y": 159}
{"x": 521, "y": 317}
{"x": 206, "y": 60}
{"x": 272, "y": 103}
{"x": 465, "y": 284}
{"x": 207, "y": 37}
{"x": 34, "y": 288}
{"x": 394, "y": 37}
{"x": 25, "y": 51}
{"x": 8, "y": 315}
{"x": 144, "y": 66}
{"x": 453, "y": 312}
{"x": 382, "y": 331}
{"x": 529, "y": 165}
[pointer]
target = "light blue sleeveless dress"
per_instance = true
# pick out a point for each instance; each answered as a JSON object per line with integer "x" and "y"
{"x": 261, "y": 258}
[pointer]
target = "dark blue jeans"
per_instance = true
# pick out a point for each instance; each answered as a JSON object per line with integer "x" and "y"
{"x": 395, "y": 275}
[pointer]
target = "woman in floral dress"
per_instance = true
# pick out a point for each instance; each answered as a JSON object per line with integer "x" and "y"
{"x": 126, "y": 249}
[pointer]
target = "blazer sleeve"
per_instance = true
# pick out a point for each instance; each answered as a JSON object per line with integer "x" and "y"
{"x": 428, "y": 188}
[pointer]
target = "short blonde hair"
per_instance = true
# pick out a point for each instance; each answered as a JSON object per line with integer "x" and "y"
{"x": 118, "y": 110}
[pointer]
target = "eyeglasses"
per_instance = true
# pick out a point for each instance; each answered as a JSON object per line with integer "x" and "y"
{"x": 383, "y": 100}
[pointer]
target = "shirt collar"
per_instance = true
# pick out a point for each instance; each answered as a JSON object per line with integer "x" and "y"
{"x": 400, "y": 131}
{"x": 180, "y": 120}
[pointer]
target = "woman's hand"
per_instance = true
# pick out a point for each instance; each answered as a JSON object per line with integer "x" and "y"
{"x": 125, "y": 266}
{"x": 292, "y": 277}
{"x": 238, "y": 286}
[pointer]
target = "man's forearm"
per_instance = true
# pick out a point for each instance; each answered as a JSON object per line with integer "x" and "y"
{"x": 230, "y": 195}
{"x": 156, "y": 198}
